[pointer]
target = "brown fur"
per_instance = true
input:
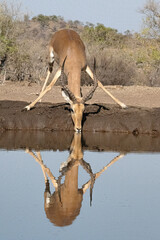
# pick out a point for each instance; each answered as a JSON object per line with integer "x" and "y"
{"x": 74, "y": 50}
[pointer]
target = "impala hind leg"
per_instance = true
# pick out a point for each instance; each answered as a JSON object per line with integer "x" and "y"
{"x": 90, "y": 73}
{"x": 48, "y": 88}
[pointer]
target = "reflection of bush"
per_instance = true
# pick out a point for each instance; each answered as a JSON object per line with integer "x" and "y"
{"x": 122, "y": 59}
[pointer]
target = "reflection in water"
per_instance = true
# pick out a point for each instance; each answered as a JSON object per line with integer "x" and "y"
{"x": 63, "y": 206}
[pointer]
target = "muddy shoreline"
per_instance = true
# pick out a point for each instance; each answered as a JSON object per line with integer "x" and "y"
{"x": 97, "y": 118}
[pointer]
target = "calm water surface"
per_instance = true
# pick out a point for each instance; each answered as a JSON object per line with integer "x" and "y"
{"x": 40, "y": 202}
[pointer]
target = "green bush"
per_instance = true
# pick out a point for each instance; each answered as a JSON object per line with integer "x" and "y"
{"x": 102, "y": 35}
{"x": 44, "y": 20}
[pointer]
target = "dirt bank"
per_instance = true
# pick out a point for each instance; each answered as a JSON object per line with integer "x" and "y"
{"x": 141, "y": 117}
{"x": 97, "y": 118}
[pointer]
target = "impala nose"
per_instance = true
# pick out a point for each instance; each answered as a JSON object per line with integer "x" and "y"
{"x": 78, "y": 130}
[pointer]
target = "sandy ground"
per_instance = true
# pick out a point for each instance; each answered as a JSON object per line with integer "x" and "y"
{"x": 132, "y": 96}
{"x": 101, "y": 115}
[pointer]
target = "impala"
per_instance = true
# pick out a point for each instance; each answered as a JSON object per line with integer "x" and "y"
{"x": 67, "y": 47}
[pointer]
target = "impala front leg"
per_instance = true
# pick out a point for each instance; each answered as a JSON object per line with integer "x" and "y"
{"x": 88, "y": 70}
{"x": 50, "y": 68}
{"x": 48, "y": 88}
{"x": 45, "y": 82}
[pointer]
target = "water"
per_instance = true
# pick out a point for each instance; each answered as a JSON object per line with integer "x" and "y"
{"x": 125, "y": 198}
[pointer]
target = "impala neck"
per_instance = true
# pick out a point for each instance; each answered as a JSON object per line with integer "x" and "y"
{"x": 74, "y": 82}
{"x": 71, "y": 181}
{"x": 71, "y": 177}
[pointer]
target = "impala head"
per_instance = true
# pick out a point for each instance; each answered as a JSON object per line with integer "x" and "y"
{"x": 77, "y": 115}
{"x": 77, "y": 105}
{"x": 77, "y": 108}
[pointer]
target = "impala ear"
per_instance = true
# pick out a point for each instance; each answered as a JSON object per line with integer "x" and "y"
{"x": 66, "y": 96}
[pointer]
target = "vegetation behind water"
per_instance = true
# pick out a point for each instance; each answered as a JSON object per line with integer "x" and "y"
{"x": 122, "y": 59}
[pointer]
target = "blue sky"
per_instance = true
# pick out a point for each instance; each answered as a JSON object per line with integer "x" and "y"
{"x": 119, "y": 14}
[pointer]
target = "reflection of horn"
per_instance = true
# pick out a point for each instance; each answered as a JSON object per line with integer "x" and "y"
{"x": 88, "y": 169}
{"x": 59, "y": 190}
{"x": 96, "y": 175}
{"x": 69, "y": 166}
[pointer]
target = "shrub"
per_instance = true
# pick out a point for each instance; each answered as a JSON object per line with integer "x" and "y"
{"x": 112, "y": 68}
{"x": 12, "y": 58}
{"x": 102, "y": 35}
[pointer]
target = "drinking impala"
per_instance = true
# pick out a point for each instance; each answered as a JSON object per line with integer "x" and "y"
{"x": 67, "y": 47}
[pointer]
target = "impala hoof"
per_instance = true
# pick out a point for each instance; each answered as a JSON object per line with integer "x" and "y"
{"x": 27, "y": 108}
{"x": 123, "y": 106}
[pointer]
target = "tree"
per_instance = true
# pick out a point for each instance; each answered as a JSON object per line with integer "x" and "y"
{"x": 151, "y": 21}
{"x": 105, "y": 36}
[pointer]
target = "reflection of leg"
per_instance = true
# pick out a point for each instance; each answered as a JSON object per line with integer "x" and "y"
{"x": 38, "y": 159}
{"x": 48, "y": 88}
{"x": 52, "y": 178}
{"x": 96, "y": 175}
{"x": 46, "y": 171}
{"x": 88, "y": 70}
{"x": 109, "y": 164}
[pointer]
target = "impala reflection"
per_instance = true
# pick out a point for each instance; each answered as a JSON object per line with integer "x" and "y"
{"x": 64, "y": 204}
